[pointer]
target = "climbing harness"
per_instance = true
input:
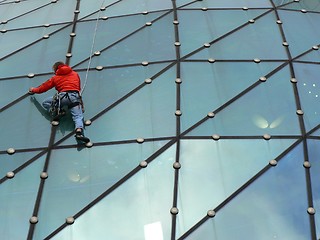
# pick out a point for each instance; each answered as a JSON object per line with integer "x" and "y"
{"x": 56, "y": 108}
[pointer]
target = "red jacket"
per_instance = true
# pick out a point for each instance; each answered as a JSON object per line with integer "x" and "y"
{"x": 65, "y": 80}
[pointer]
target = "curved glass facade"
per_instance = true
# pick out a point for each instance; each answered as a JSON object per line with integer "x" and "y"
{"x": 203, "y": 115}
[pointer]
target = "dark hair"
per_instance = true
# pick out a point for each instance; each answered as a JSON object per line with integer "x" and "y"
{"x": 56, "y": 65}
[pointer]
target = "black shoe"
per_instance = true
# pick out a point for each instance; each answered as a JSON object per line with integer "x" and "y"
{"x": 82, "y": 138}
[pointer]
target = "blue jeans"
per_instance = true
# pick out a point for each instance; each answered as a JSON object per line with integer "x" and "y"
{"x": 66, "y": 100}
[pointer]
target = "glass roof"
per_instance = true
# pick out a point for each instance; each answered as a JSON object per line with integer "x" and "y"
{"x": 203, "y": 118}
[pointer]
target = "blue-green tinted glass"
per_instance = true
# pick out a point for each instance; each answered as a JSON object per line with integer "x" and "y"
{"x": 206, "y": 28}
{"x": 12, "y": 89}
{"x": 9, "y": 11}
{"x": 281, "y": 2}
{"x": 229, "y": 4}
{"x": 134, "y": 7}
{"x": 301, "y": 41}
{"x": 258, "y": 112}
{"x": 309, "y": 92}
{"x": 29, "y": 36}
{"x": 150, "y": 112}
{"x": 145, "y": 213}
{"x": 262, "y": 210}
{"x": 46, "y": 14}
{"x": 215, "y": 170}
{"x": 84, "y": 175}
{"x": 308, "y": 5}
{"x": 314, "y": 153}
{"x": 44, "y": 53}
{"x": 311, "y": 56}
{"x": 215, "y": 84}
{"x": 142, "y": 46}
{"x": 251, "y": 42}
{"x": 103, "y": 34}
{"x": 23, "y": 127}
{"x": 10, "y": 163}
{"x": 17, "y": 197}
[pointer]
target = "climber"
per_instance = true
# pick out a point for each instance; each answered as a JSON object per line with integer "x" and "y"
{"x": 67, "y": 83}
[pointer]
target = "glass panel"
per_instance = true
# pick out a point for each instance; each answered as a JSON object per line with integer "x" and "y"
{"x": 135, "y": 205}
{"x": 281, "y": 2}
{"x": 12, "y": 89}
{"x": 22, "y": 127}
{"x": 133, "y": 7}
{"x": 313, "y": 56}
{"x": 9, "y": 39}
{"x": 265, "y": 209}
{"x": 304, "y": 4}
{"x": 17, "y": 197}
{"x": 141, "y": 46}
{"x": 9, "y": 163}
{"x": 150, "y": 112}
{"x": 44, "y": 53}
{"x": 217, "y": 83}
{"x": 258, "y": 112}
{"x": 220, "y": 169}
{"x": 309, "y": 92}
{"x": 307, "y": 37}
{"x": 84, "y": 176}
{"x": 106, "y": 34}
{"x": 253, "y": 41}
{"x": 45, "y": 15}
{"x": 231, "y": 4}
{"x": 314, "y": 153}
{"x": 8, "y": 11}
{"x": 209, "y": 26}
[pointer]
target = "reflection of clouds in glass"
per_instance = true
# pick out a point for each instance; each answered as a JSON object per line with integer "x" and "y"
{"x": 262, "y": 122}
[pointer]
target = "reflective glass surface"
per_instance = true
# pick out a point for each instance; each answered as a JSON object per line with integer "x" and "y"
{"x": 137, "y": 206}
{"x": 260, "y": 211}
{"x": 189, "y": 106}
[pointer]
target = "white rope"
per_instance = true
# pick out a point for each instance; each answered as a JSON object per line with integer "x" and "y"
{"x": 91, "y": 51}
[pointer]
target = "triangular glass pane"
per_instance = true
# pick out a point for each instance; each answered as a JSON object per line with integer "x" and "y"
{"x": 141, "y": 204}
{"x": 14, "y": 9}
{"x": 9, "y": 163}
{"x": 45, "y": 15}
{"x": 134, "y": 7}
{"x": 282, "y": 2}
{"x": 21, "y": 126}
{"x": 44, "y": 53}
{"x": 266, "y": 209}
{"x": 90, "y": 6}
{"x": 193, "y": 34}
{"x": 12, "y": 89}
{"x": 107, "y": 87}
{"x": 103, "y": 34}
{"x": 9, "y": 39}
{"x": 313, "y": 155}
{"x": 141, "y": 46}
{"x": 268, "y": 108}
{"x": 17, "y": 197}
{"x": 316, "y": 133}
{"x": 230, "y": 4}
{"x": 225, "y": 172}
{"x": 309, "y": 92}
{"x": 150, "y": 112}
{"x": 208, "y": 86}
{"x": 313, "y": 56}
{"x": 302, "y": 40}
{"x": 303, "y": 4}
{"x": 83, "y": 176}
{"x": 251, "y": 42}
